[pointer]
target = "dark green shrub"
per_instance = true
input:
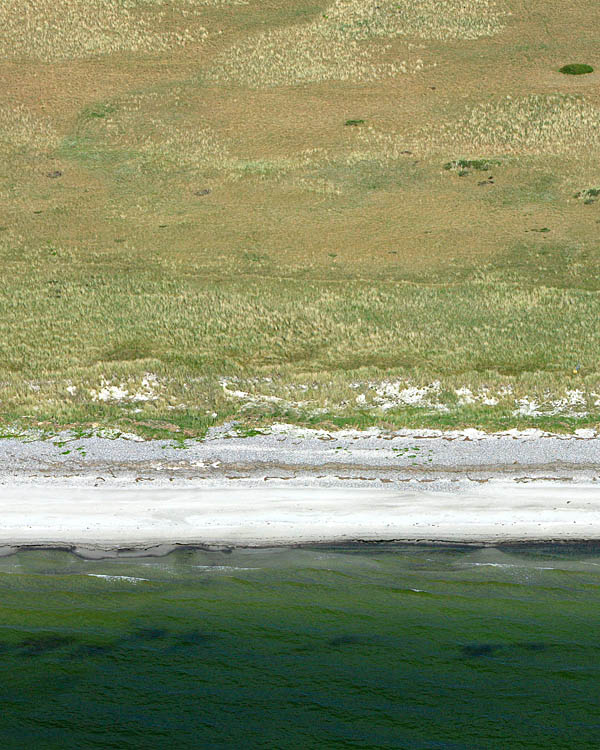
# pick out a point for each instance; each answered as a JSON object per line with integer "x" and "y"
{"x": 354, "y": 122}
{"x": 463, "y": 165}
{"x": 589, "y": 195}
{"x": 576, "y": 69}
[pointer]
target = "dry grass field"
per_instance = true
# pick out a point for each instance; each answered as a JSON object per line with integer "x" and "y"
{"x": 347, "y": 212}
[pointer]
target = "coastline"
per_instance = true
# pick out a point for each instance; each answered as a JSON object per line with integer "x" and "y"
{"x": 100, "y": 496}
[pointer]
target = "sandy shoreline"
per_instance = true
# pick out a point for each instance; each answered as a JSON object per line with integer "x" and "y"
{"x": 292, "y": 486}
{"x": 95, "y": 518}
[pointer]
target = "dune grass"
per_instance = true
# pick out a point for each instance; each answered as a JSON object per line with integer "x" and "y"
{"x": 347, "y": 213}
{"x": 148, "y": 343}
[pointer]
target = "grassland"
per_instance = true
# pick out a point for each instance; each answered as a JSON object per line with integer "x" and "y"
{"x": 191, "y": 232}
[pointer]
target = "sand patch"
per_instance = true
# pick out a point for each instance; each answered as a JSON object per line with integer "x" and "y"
{"x": 111, "y": 518}
{"x": 147, "y": 390}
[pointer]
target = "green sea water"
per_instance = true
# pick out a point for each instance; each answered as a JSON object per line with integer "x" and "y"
{"x": 364, "y": 647}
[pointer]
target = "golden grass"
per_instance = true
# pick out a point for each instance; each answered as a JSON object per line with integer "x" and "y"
{"x": 300, "y": 54}
{"x": 66, "y": 29}
{"x": 325, "y": 49}
{"x": 427, "y": 19}
{"x": 536, "y": 124}
{"x": 521, "y": 126}
{"x": 328, "y": 47}
{"x": 22, "y": 129}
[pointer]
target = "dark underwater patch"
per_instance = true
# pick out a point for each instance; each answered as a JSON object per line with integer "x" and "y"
{"x": 480, "y": 649}
{"x": 195, "y": 637}
{"x": 348, "y": 640}
{"x": 534, "y": 646}
{"x": 191, "y": 640}
{"x": 42, "y": 644}
{"x": 474, "y": 650}
{"x": 149, "y": 634}
{"x": 90, "y": 649}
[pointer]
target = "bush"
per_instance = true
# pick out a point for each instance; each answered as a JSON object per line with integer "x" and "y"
{"x": 589, "y": 195}
{"x": 576, "y": 69}
{"x": 463, "y": 165}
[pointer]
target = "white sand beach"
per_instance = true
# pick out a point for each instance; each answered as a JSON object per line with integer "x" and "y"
{"x": 141, "y": 517}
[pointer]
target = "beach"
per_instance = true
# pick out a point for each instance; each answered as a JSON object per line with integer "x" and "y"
{"x": 291, "y": 486}
{"x": 94, "y": 519}
{"x": 301, "y": 589}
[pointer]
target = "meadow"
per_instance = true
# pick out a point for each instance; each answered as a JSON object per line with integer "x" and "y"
{"x": 360, "y": 212}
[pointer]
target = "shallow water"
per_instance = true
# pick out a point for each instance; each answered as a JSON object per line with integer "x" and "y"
{"x": 365, "y": 647}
